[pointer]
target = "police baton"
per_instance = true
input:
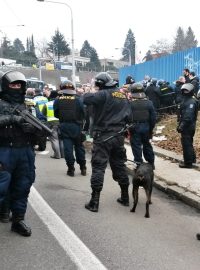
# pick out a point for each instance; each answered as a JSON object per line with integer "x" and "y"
{"x": 122, "y": 131}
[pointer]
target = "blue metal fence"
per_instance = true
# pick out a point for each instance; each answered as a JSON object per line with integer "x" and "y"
{"x": 168, "y": 67}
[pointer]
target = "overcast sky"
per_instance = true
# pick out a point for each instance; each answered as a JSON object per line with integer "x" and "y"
{"x": 103, "y": 23}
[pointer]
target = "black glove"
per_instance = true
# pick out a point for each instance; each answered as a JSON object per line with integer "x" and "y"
{"x": 1, "y": 167}
{"x": 28, "y": 128}
{"x": 179, "y": 128}
{"x": 83, "y": 136}
{"x": 150, "y": 134}
{"x": 17, "y": 119}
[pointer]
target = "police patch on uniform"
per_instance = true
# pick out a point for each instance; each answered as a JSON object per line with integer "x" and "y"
{"x": 191, "y": 106}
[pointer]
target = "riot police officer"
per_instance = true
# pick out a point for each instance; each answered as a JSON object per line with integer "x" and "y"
{"x": 68, "y": 108}
{"x": 167, "y": 95}
{"x": 144, "y": 119}
{"x": 111, "y": 113}
{"x": 187, "y": 116}
{"x": 17, "y": 158}
{"x": 153, "y": 93}
{"x": 129, "y": 79}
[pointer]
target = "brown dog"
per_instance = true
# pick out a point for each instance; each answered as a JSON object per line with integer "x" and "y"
{"x": 144, "y": 177}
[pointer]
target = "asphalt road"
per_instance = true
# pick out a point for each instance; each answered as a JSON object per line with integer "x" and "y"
{"x": 113, "y": 238}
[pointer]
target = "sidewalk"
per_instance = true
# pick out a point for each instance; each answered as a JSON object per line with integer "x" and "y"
{"x": 184, "y": 184}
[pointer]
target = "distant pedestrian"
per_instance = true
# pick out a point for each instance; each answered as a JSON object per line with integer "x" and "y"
{"x": 187, "y": 117}
{"x": 46, "y": 91}
{"x": 53, "y": 123}
{"x": 194, "y": 80}
{"x": 186, "y": 73}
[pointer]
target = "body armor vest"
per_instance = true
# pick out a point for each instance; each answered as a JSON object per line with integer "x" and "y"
{"x": 140, "y": 110}
{"x": 68, "y": 109}
{"x": 12, "y": 134}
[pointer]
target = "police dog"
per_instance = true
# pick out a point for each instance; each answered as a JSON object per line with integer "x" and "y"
{"x": 143, "y": 176}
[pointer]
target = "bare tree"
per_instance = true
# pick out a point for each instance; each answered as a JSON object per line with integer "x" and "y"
{"x": 42, "y": 49}
{"x": 162, "y": 46}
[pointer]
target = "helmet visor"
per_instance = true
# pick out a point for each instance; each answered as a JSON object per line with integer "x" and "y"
{"x": 14, "y": 76}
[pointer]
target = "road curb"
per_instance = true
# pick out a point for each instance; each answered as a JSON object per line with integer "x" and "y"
{"x": 175, "y": 191}
{"x": 173, "y": 157}
{"x": 160, "y": 183}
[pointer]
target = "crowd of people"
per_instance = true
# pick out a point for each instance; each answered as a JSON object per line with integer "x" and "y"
{"x": 166, "y": 97}
{"x": 106, "y": 111}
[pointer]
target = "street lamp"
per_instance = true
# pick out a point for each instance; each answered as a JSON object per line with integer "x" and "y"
{"x": 72, "y": 37}
{"x": 129, "y": 53}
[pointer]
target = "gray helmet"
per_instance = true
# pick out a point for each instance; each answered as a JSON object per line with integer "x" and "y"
{"x": 11, "y": 77}
{"x": 153, "y": 81}
{"x": 104, "y": 80}
{"x": 67, "y": 87}
{"x": 137, "y": 90}
{"x": 187, "y": 89}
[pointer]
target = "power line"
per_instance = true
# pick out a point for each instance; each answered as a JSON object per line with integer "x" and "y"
{"x": 9, "y": 7}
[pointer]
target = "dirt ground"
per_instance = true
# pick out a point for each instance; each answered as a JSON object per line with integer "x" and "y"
{"x": 173, "y": 142}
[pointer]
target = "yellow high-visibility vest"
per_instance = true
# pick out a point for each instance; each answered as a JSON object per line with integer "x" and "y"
{"x": 40, "y": 101}
{"x": 50, "y": 112}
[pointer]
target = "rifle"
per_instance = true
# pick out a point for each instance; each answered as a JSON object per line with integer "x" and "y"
{"x": 31, "y": 119}
{"x": 122, "y": 131}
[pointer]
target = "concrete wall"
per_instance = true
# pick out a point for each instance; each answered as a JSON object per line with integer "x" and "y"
{"x": 53, "y": 76}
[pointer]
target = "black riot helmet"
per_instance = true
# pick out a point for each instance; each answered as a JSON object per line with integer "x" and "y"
{"x": 161, "y": 82}
{"x": 103, "y": 80}
{"x": 187, "y": 89}
{"x": 153, "y": 81}
{"x": 67, "y": 87}
{"x": 129, "y": 79}
{"x": 137, "y": 90}
{"x": 12, "y": 77}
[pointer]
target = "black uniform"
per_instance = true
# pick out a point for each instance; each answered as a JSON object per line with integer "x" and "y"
{"x": 144, "y": 119}
{"x": 111, "y": 113}
{"x": 195, "y": 82}
{"x": 178, "y": 94}
{"x": 68, "y": 108}
{"x": 17, "y": 158}
{"x": 167, "y": 96}
{"x": 187, "y": 126}
{"x": 153, "y": 93}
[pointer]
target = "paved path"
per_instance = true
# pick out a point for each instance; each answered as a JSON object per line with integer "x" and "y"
{"x": 183, "y": 183}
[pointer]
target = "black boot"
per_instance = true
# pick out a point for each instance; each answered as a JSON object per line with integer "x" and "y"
{"x": 93, "y": 204}
{"x": 83, "y": 170}
{"x": 5, "y": 210}
{"x": 70, "y": 170}
{"x": 4, "y": 217}
{"x": 185, "y": 165}
{"x": 19, "y": 226}
{"x": 198, "y": 236}
{"x": 124, "y": 200}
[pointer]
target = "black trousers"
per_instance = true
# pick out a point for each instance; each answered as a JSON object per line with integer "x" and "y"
{"x": 189, "y": 154}
{"x": 112, "y": 151}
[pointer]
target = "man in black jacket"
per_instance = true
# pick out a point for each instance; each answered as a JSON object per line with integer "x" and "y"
{"x": 194, "y": 80}
{"x": 111, "y": 114}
